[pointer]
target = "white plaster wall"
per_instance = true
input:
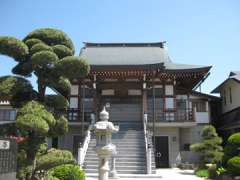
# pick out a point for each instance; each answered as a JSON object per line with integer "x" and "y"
{"x": 202, "y": 117}
{"x": 235, "y": 87}
{"x": 74, "y": 90}
{"x": 169, "y": 90}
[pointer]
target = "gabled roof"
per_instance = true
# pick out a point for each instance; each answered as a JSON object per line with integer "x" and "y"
{"x": 131, "y": 54}
{"x": 234, "y": 75}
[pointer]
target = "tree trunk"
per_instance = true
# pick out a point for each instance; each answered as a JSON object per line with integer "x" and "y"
{"x": 33, "y": 145}
{"x": 41, "y": 89}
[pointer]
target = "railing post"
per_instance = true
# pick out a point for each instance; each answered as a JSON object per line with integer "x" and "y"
{"x": 149, "y": 159}
{"x": 80, "y": 150}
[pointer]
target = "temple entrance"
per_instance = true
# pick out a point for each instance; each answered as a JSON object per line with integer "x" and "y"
{"x": 124, "y": 109}
{"x": 161, "y": 152}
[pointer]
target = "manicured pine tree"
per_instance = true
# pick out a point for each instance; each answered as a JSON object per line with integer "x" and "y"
{"x": 49, "y": 55}
{"x": 210, "y": 148}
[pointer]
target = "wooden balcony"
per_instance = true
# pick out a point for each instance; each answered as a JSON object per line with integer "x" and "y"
{"x": 183, "y": 117}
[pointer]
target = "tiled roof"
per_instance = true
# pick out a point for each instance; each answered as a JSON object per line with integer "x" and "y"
{"x": 234, "y": 75}
{"x": 130, "y": 54}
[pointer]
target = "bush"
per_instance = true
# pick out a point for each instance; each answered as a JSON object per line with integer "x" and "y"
{"x": 68, "y": 172}
{"x": 202, "y": 173}
{"x": 210, "y": 148}
{"x": 233, "y": 165}
{"x": 231, "y": 149}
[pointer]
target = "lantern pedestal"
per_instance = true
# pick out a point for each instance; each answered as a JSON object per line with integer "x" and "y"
{"x": 104, "y": 147}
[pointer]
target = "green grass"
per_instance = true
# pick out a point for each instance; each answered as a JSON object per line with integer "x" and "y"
{"x": 202, "y": 173}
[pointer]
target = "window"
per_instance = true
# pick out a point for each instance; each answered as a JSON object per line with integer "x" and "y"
{"x": 169, "y": 103}
{"x": 230, "y": 95}
{"x": 7, "y": 114}
{"x": 181, "y": 104}
{"x": 224, "y": 97}
{"x": 200, "y": 106}
{"x": 74, "y": 102}
{"x": 158, "y": 92}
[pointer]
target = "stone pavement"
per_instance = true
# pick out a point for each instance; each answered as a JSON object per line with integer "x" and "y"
{"x": 166, "y": 174}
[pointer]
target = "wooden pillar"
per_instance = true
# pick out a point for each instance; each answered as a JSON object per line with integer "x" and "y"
{"x": 154, "y": 109}
{"x": 82, "y": 107}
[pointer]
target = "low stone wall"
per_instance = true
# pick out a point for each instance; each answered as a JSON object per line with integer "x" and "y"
{"x": 8, "y": 176}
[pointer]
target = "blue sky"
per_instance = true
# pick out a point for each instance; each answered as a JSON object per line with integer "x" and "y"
{"x": 205, "y": 32}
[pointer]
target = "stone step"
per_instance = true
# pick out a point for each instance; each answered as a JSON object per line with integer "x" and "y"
{"x": 121, "y": 163}
{"x": 119, "y": 171}
{"x": 132, "y": 159}
{"x": 118, "y": 167}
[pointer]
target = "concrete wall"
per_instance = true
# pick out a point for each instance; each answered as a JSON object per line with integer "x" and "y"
{"x": 173, "y": 145}
{"x": 235, "y": 88}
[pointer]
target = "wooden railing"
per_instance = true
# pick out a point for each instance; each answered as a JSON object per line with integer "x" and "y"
{"x": 183, "y": 115}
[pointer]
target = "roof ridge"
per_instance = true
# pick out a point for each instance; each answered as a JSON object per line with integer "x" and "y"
{"x": 126, "y": 44}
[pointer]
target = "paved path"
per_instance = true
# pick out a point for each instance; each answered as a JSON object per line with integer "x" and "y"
{"x": 166, "y": 174}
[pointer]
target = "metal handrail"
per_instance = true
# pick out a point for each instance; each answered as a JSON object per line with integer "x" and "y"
{"x": 147, "y": 145}
{"x": 82, "y": 151}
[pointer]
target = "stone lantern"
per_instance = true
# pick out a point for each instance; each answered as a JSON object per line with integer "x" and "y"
{"x": 104, "y": 147}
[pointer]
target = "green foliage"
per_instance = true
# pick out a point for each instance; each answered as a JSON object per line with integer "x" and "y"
{"x": 234, "y": 139}
{"x": 43, "y": 60}
{"x": 221, "y": 170}
{"x": 40, "y": 47}
{"x": 210, "y": 147}
{"x": 31, "y": 42}
{"x": 17, "y": 89}
{"x": 34, "y": 117}
{"x": 68, "y": 172}
{"x": 51, "y": 53}
{"x": 231, "y": 148}
{"x": 51, "y": 37}
{"x": 54, "y": 158}
{"x": 202, "y": 173}
{"x": 23, "y": 69}
{"x": 62, "y": 51}
{"x": 61, "y": 85}
{"x": 13, "y": 47}
{"x": 233, "y": 165}
{"x": 76, "y": 67}
{"x": 56, "y": 102}
{"x": 11, "y": 85}
{"x": 60, "y": 128}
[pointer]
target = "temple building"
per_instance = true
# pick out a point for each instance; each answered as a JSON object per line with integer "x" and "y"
{"x": 150, "y": 97}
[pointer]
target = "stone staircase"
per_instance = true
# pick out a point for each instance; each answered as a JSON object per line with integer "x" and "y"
{"x": 131, "y": 157}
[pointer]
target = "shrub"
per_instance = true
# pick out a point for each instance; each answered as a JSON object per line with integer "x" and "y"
{"x": 68, "y": 172}
{"x": 202, "y": 173}
{"x": 231, "y": 149}
{"x": 233, "y": 165}
{"x": 210, "y": 147}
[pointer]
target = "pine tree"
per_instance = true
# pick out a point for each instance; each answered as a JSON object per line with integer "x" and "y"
{"x": 210, "y": 148}
{"x": 49, "y": 55}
